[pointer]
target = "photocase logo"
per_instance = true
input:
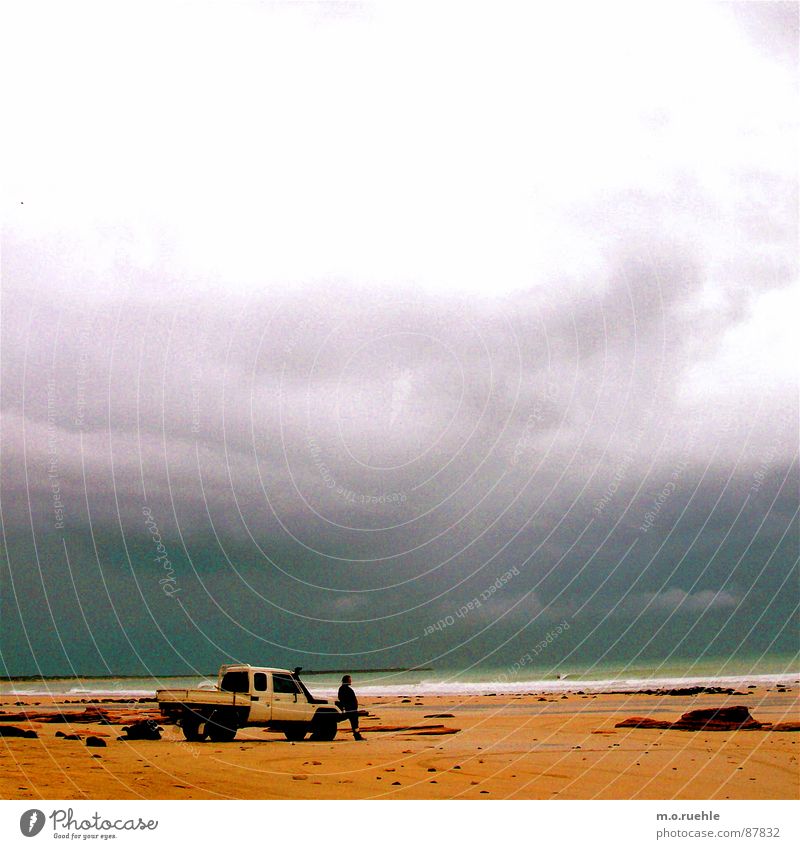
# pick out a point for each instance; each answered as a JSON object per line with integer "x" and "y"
{"x": 65, "y": 823}
{"x": 31, "y": 822}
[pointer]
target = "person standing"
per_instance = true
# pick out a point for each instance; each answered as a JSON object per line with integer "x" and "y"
{"x": 349, "y": 704}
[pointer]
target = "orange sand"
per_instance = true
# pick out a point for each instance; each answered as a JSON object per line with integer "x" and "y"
{"x": 507, "y": 748}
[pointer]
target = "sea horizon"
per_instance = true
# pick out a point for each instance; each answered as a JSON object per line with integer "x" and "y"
{"x": 512, "y": 678}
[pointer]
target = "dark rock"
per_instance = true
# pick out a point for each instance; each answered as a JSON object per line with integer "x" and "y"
{"x": 13, "y": 717}
{"x": 143, "y": 729}
{"x": 733, "y": 718}
{"x": 97, "y": 742}
{"x": 89, "y": 714}
{"x": 676, "y": 691}
{"x": 13, "y": 731}
{"x": 717, "y": 719}
{"x": 434, "y": 732}
{"x": 643, "y": 722}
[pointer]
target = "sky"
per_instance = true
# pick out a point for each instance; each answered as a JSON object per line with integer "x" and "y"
{"x": 323, "y": 321}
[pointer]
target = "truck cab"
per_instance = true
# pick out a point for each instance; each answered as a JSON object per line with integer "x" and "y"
{"x": 276, "y": 695}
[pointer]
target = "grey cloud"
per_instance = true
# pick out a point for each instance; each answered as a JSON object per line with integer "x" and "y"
{"x": 371, "y": 394}
{"x": 772, "y": 26}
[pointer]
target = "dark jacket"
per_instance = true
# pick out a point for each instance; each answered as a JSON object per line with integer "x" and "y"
{"x": 347, "y": 698}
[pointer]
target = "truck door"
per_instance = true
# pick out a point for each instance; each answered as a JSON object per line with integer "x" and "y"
{"x": 288, "y": 700}
{"x": 260, "y": 702}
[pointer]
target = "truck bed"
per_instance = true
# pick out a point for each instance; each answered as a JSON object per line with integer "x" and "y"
{"x": 203, "y": 697}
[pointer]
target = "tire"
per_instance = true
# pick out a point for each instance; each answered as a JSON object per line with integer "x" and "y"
{"x": 324, "y": 729}
{"x": 221, "y": 727}
{"x": 193, "y": 728}
{"x": 296, "y": 732}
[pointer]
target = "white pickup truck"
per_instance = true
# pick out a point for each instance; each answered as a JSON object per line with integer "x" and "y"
{"x": 251, "y": 695}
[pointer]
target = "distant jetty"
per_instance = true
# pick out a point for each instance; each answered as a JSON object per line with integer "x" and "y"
{"x": 365, "y": 671}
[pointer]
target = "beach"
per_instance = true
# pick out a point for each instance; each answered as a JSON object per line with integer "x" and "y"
{"x": 537, "y": 745}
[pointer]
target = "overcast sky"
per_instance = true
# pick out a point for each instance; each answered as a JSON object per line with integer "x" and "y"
{"x": 357, "y": 307}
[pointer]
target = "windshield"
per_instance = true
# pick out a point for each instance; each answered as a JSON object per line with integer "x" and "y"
{"x": 282, "y": 683}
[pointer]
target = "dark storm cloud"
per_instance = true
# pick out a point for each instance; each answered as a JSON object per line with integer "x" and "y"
{"x": 377, "y": 393}
{"x": 299, "y": 408}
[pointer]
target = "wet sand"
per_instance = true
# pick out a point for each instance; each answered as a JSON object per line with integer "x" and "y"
{"x": 507, "y": 747}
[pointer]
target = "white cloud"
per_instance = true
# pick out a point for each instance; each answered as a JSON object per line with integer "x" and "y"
{"x": 753, "y": 371}
{"x": 447, "y": 146}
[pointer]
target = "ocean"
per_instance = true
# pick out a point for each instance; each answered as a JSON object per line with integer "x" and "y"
{"x": 514, "y": 678}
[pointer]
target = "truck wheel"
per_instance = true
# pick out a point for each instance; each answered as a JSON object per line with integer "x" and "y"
{"x": 193, "y": 728}
{"x": 324, "y": 729}
{"x": 297, "y": 732}
{"x": 221, "y": 727}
